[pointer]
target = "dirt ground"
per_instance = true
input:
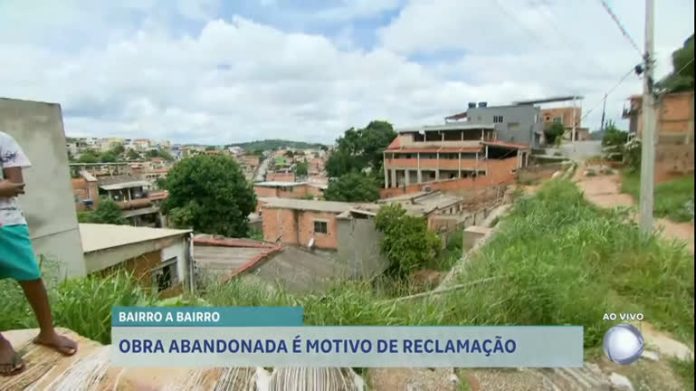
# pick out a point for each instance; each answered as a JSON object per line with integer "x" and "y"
{"x": 605, "y": 191}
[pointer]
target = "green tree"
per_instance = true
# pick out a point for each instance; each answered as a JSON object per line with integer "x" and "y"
{"x": 108, "y": 157}
{"x": 360, "y": 149}
{"x": 89, "y": 156}
{"x": 302, "y": 169}
{"x": 407, "y": 243}
{"x": 117, "y": 149}
{"x": 158, "y": 152}
{"x": 161, "y": 183}
{"x": 133, "y": 155}
{"x": 613, "y": 135}
{"x": 210, "y": 194}
{"x": 554, "y": 132}
{"x": 107, "y": 212}
{"x": 353, "y": 187}
{"x": 682, "y": 76}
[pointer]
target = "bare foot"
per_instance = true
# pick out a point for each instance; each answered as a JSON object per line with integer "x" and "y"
{"x": 59, "y": 343}
{"x": 10, "y": 362}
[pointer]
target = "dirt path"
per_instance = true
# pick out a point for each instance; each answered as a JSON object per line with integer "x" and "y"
{"x": 605, "y": 191}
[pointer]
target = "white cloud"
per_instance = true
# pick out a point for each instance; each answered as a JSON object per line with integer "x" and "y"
{"x": 239, "y": 80}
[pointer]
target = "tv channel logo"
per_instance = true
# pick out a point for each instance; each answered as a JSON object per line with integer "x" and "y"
{"x": 623, "y": 344}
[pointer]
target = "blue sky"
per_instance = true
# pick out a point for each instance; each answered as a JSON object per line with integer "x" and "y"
{"x": 214, "y": 71}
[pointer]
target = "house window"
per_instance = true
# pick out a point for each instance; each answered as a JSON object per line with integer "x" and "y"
{"x": 557, "y": 120}
{"x": 165, "y": 276}
{"x": 497, "y": 119}
{"x": 321, "y": 227}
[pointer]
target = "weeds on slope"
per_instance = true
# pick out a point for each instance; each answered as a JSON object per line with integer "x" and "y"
{"x": 565, "y": 261}
{"x": 674, "y": 199}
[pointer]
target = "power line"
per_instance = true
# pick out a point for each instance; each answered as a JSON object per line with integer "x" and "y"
{"x": 621, "y": 27}
{"x": 684, "y": 67}
{"x": 572, "y": 42}
{"x": 609, "y": 91}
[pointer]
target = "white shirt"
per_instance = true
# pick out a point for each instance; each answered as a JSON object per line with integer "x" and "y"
{"x": 11, "y": 155}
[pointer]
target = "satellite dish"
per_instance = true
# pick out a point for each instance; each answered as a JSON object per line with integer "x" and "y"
{"x": 311, "y": 243}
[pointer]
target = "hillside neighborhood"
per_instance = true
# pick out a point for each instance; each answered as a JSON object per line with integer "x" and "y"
{"x": 511, "y": 203}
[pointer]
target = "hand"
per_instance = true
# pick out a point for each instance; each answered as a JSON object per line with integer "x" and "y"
{"x": 10, "y": 189}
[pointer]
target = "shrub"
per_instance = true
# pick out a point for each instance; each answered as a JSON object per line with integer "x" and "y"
{"x": 407, "y": 243}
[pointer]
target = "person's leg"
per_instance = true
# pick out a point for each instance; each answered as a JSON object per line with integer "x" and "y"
{"x": 10, "y": 362}
{"x": 38, "y": 299}
{"x": 20, "y": 264}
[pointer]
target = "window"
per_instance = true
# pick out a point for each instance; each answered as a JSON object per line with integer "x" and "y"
{"x": 497, "y": 119}
{"x": 557, "y": 120}
{"x": 321, "y": 227}
{"x": 165, "y": 276}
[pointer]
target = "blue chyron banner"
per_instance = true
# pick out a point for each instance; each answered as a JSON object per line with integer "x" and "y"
{"x": 277, "y": 337}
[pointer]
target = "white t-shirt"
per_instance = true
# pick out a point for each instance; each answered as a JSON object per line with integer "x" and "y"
{"x": 11, "y": 155}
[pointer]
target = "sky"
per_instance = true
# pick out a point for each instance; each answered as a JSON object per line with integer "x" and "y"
{"x": 218, "y": 72}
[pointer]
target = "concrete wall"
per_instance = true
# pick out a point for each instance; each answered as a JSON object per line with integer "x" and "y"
{"x": 519, "y": 122}
{"x": 49, "y": 202}
{"x": 358, "y": 247}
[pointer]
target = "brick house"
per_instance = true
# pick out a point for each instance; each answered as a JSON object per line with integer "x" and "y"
{"x": 674, "y": 152}
{"x": 450, "y": 157}
{"x": 304, "y": 223}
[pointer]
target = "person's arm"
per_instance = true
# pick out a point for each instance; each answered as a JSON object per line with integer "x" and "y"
{"x": 12, "y": 161}
{"x": 9, "y": 189}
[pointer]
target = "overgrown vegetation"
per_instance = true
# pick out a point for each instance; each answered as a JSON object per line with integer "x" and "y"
{"x": 560, "y": 260}
{"x": 685, "y": 371}
{"x": 107, "y": 212}
{"x": 82, "y": 305}
{"x": 407, "y": 243}
{"x": 554, "y": 133}
{"x": 674, "y": 199}
{"x": 682, "y": 76}
{"x": 353, "y": 187}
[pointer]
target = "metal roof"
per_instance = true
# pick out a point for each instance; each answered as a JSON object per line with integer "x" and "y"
{"x": 279, "y": 184}
{"x": 318, "y": 206}
{"x": 97, "y": 237}
{"x": 450, "y": 126}
{"x": 548, "y": 100}
{"x": 125, "y": 185}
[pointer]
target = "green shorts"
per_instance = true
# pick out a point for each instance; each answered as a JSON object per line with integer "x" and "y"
{"x": 17, "y": 259}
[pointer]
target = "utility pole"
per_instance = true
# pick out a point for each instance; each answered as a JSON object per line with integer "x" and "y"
{"x": 572, "y": 133}
{"x": 604, "y": 112}
{"x": 647, "y": 165}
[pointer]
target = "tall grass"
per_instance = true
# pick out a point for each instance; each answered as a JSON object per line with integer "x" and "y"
{"x": 558, "y": 260}
{"x": 81, "y": 304}
{"x": 563, "y": 261}
{"x": 674, "y": 199}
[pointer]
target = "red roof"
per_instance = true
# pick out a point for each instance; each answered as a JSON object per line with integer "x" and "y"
{"x": 457, "y": 116}
{"x": 437, "y": 149}
{"x": 395, "y": 144}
